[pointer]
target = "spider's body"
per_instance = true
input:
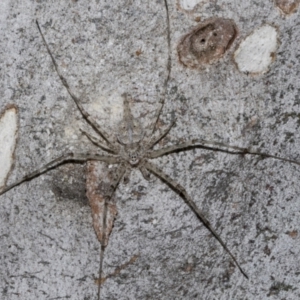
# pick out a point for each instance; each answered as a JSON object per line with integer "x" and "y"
{"x": 129, "y": 138}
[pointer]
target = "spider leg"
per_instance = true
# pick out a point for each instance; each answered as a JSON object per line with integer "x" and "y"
{"x": 162, "y": 100}
{"x": 126, "y": 176}
{"x": 155, "y": 140}
{"x": 146, "y": 174}
{"x": 216, "y": 146}
{"x": 197, "y": 143}
{"x": 66, "y": 158}
{"x": 117, "y": 176}
{"x": 84, "y": 113}
{"x": 183, "y": 193}
{"x": 95, "y": 140}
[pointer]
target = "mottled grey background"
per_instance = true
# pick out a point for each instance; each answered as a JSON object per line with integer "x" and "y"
{"x": 47, "y": 243}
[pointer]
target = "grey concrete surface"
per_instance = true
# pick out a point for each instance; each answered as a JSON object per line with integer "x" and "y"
{"x": 48, "y": 248}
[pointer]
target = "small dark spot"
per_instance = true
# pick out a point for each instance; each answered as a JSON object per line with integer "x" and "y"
{"x": 293, "y": 234}
{"x": 68, "y": 183}
{"x": 138, "y": 52}
{"x": 277, "y": 287}
{"x": 267, "y": 251}
{"x": 273, "y": 55}
{"x": 43, "y": 98}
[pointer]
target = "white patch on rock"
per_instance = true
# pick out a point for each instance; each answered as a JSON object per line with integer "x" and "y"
{"x": 257, "y": 51}
{"x": 106, "y": 111}
{"x": 189, "y": 4}
{"x": 108, "y": 107}
{"x": 8, "y": 137}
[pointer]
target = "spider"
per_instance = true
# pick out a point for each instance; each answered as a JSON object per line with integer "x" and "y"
{"x": 132, "y": 148}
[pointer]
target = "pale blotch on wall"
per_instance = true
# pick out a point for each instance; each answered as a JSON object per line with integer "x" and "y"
{"x": 188, "y": 4}
{"x": 8, "y": 138}
{"x": 255, "y": 54}
{"x": 105, "y": 111}
{"x": 109, "y": 107}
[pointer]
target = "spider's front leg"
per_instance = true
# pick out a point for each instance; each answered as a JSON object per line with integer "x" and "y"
{"x": 95, "y": 140}
{"x": 83, "y": 112}
{"x": 183, "y": 193}
{"x": 216, "y": 146}
{"x": 154, "y": 140}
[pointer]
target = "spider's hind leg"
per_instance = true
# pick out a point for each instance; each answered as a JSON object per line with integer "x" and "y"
{"x": 183, "y": 193}
{"x": 104, "y": 210}
{"x": 95, "y": 140}
{"x": 146, "y": 174}
{"x": 66, "y": 158}
{"x": 155, "y": 139}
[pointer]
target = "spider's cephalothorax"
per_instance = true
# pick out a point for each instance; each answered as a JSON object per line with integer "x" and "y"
{"x": 133, "y": 154}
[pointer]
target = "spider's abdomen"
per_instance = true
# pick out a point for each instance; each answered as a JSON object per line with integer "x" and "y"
{"x": 130, "y": 132}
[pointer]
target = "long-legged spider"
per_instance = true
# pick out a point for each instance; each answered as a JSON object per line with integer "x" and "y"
{"x": 133, "y": 149}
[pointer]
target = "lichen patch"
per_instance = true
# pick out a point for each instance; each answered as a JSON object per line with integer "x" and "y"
{"x": 207, "y": 42}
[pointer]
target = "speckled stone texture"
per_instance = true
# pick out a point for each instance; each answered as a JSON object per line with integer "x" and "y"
{"x": 48, "y": 248}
